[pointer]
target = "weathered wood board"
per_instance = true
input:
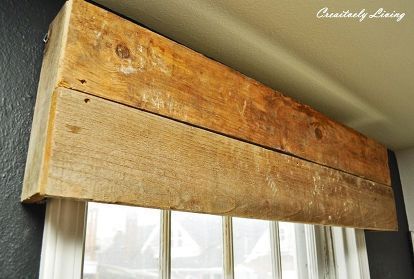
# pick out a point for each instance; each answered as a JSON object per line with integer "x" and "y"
{"x": 111, "y": 57}
{"x": 107, "y": 152}
{"x": 47, "y": 83}
{"x": 105, "y": 129}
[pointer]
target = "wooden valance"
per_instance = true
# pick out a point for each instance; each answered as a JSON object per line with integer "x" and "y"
{"x": 124, "y": 115}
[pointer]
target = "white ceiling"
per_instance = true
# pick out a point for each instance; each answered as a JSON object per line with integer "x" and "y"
{"x": 358, "y": 73}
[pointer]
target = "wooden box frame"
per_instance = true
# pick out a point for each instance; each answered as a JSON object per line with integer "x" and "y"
{"x": 124, "y": 115}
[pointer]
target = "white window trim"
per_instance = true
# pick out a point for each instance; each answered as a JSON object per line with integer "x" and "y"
{"x": 351, "y": 258}
{"x": 64, "y": 238}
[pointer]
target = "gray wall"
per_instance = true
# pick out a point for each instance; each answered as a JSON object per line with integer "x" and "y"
{"x": 23, "y": 24}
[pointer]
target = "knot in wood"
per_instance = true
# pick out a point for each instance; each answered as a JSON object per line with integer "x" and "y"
{"x": 122, "y": 51}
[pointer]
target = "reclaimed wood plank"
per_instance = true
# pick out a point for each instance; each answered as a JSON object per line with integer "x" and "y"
{"x": 108, "y": 152}
{"x": 113, "y": 58}
{"x": 42, "y": 117}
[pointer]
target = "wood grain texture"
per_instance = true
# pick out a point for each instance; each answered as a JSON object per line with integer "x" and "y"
{"x": 108, "y": 152}
{"x": 37, "y": 152}
{"x": 113, "y": 58}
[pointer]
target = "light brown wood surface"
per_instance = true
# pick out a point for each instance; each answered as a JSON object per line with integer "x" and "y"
{"x": 121, "y": 142}
{"x": 37, "y": 152}
{"x": 113, "y": 58}
{"x": 108, "y": 152}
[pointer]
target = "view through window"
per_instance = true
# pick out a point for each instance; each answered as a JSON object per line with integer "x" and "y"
{"x": 293, "y": 254}
{"x": 252, "y": 249}
{"x": 196, "y": 246}
{"x": 124, "y": 242}
{"x": 121, "y": 242}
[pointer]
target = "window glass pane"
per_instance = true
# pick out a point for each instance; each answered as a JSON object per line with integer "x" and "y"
{"x": 121, "y": 242}
{"x": 293, "y": 250}
{"x": 196, "y": 246}
{"x": 251, "y": 245}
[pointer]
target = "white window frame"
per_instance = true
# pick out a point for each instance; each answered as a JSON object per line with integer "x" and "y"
{"x": 63, "y": 239}
{"x": 331, "y": 252}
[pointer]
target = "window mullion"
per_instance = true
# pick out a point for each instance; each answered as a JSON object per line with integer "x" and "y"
{"x": 228, "y": 260}
{"x": 311, "y": 251}
{"x": 319, "y": 252}
{"x": 275, "y": 250}
{"x": 327, "y": 251}
{"x": 165, "y": 245}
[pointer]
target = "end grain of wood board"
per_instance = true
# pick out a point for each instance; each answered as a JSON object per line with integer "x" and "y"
{"x": 110, "y": 57}
{"x": 107, "y": 152}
